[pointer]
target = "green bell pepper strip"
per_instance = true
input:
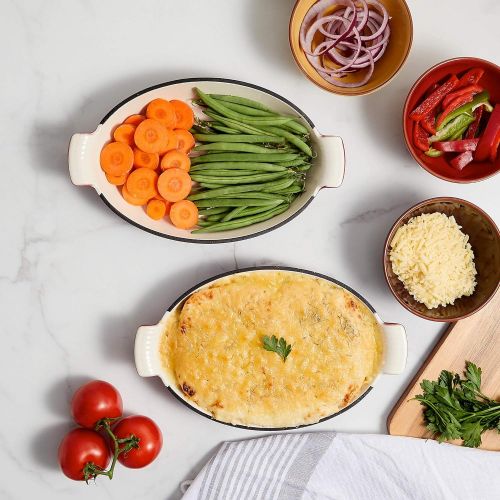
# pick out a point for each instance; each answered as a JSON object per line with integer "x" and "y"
{"x": 433, "y": 153}
{"x": 479, "y": 100}
{"x": 451, "y": 128}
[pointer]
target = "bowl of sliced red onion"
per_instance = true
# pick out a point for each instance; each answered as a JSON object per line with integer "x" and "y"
{"x": 350, "y": 47}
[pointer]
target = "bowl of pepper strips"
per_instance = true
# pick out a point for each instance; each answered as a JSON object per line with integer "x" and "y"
{"x": 451, "y": 120}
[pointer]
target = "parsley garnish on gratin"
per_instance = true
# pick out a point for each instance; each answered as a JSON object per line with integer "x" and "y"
{"x": 279, "y": 346}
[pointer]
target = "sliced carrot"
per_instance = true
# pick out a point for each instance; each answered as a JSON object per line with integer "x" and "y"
{"x": 185, "y": 140}
{"x": 184, "y": 214}
{"x": 124, "y": 133}
{"x": 168, "y": 204}
{"x": 134, "y": 119}
{"x": 156, "y": 209}
{"x": 133, "y": 200}
{"x": 117, "y": 180}
{"x": 184, "y": 116}
{"x": 116, "y": 158}
{"x": 175, "y": 159}
{"x": 151, "y": 136}
{"x": 161, "y": 111}
{"x": 172, "y": 142}
{"x": 141, "y": 183}
{"x": 174, "y": 184}
{"x": 146, "y": 160}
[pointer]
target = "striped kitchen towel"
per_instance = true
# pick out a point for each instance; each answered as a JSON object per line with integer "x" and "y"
{"x": 327, "y": 465}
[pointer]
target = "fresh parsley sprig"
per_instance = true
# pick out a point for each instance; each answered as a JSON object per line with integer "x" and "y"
{"x": 279, "y": 346}
{"x": 455, "y": 408}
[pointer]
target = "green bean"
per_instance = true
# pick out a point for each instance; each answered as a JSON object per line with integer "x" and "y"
{"x": 294, "y": 188}
{"x": 208, "y": 185}
{"x": 243, "y": 221}
{"x": 234, "y": 202}
{"x": 214, "y": 218}
{"x": 237, "y": 165}
{"x": 246, "y": 110}
{"x": 223, "y": 110}
{"x": 266, "y": 158}
{"x": 296, "y": 127}
{"x": 222, "y": 128}
{"x": 271, "y": 187}
{"x": 239, "y": 138}
{"x": 291, "y": 138}
{"x": 237, "y": 147}
{"x": 303, "y": 168}
{"x": 225, "y": 173}
{"x": 246, "y": 179}
{"x": 292, "y": 163}
{"x": 253, "y": 211}
{"x": 235, "y": 212}
{"x": 229, "y": 122}
{"x": 255, "y": 194}
{"x": 241, "y": 100}
{"x": 213, "y": 211}
{"x": 204, "y": 223}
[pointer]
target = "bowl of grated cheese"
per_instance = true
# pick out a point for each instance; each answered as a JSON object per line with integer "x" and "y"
{"x": 442, "y": 259}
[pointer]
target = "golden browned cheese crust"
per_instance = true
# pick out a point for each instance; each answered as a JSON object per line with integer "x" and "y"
{"x": 212, "y": 347}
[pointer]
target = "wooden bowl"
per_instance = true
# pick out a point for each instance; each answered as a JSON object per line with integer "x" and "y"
{"x": 386, "y": 68}
{"x": 440, "y": 167}
{"x": 484, "y": 238}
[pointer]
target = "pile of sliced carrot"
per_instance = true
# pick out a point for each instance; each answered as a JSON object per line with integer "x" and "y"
{"x": 148, "y": 158}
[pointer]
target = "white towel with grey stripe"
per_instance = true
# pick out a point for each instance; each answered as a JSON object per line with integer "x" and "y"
{"x": 328, "y": 465}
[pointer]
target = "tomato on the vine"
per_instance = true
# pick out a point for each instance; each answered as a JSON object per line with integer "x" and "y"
{"x": 149, "y": 436}
{"x": 94, "y": 401}
{"x": 79, "y": 448}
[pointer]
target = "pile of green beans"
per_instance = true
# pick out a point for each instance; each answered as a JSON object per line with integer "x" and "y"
{"x": 252, "y": 162}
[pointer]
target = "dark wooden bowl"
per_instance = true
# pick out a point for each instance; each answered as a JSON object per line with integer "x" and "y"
{"x": 484, "y": 238}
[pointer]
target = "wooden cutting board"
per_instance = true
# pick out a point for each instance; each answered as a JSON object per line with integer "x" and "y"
{"x": 477, "y": 339}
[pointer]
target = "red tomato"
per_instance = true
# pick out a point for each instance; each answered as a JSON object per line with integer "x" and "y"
{"x": 94, "y": 401}
{"x": 79, "y": 447}
{"x": 150, "y": 440}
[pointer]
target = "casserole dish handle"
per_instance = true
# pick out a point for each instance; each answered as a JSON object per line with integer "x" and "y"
{"x": 147, "y": 350}
{"x": 396, "y": 348}
{"x": 83, "y": 157}
{"x": 332, "y": 156}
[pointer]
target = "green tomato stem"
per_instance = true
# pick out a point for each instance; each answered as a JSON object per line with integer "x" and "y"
{"x": 91, "y": 471}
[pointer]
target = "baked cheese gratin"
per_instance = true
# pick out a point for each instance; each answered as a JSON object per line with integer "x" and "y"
{"x": 213, "y": 349}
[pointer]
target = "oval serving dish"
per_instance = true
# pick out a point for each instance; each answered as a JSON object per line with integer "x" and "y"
{"x": 148, "y": 342}
{"x": 84, "y": 149}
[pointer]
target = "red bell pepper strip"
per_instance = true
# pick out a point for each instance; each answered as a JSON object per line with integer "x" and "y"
{"x": 473, "y": 89}
{"x": 474, "y": 126}
{"x": 471, "y": 77}
{"x": 434, "y": 99}
{"x": 431, "y": 89}
{"x": 456, "y": 103}
{"x": 428, "y": 123}
{"x": 462, "y": 160}
{"x": 456, "y": 146}
{"x": 420, "y": 137}
{"x": 494, "y": 148}
{"x": 487, "y": 140}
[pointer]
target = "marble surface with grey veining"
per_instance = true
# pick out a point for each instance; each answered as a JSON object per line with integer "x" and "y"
{"x": 76, "y": 281}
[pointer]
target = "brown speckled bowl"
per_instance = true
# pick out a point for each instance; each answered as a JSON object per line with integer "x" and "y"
{"x": 484, "y": 238}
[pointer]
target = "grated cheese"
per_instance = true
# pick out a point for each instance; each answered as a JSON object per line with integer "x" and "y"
{"x": 434, "y": 260}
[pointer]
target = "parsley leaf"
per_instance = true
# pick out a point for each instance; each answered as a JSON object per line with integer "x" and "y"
{"x": 279, "y": 346}
{"x": 455, "y": 408}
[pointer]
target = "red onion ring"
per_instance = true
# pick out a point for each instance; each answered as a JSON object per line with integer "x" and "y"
{"x": 355, "y": 38}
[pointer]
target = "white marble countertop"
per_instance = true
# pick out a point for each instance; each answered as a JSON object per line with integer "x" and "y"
{"x": 73, "y": 290}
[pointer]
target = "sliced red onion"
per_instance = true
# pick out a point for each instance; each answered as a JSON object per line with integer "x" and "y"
{"x": 355, "y": 38}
